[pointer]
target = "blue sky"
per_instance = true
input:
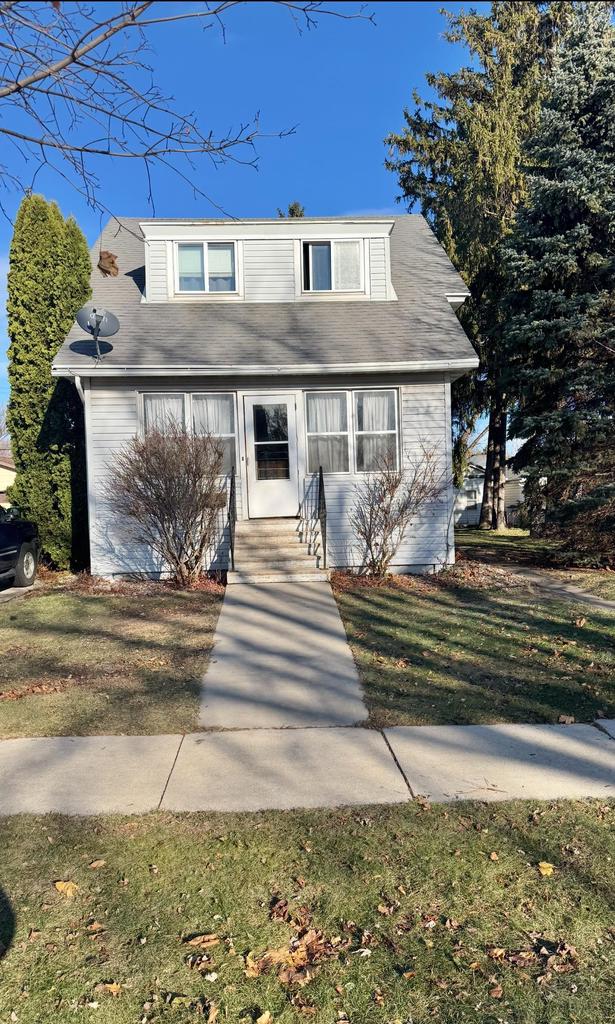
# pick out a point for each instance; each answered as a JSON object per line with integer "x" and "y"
{"x": 343, "y": 85}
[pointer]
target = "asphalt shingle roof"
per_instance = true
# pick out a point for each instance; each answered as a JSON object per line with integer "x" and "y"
{"x": 419, "y": 327}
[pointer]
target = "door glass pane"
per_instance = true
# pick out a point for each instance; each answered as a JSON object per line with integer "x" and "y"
{"x": 191, "y": 272}
{"x": 272, "y": 461}
{"x": 321, "y": 267}
{"x": 271, "y": 422}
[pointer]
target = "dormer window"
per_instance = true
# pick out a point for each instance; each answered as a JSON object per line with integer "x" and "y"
{"x": 206, "y": 267}
{"x": 335, "y": 266}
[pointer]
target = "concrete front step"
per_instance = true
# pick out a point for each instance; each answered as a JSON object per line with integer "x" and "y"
{"x": 273, "y": 563}
{"x": 280, "y": 527}
{"x": 279, "y": 576}
{"x": 282, "y": 547}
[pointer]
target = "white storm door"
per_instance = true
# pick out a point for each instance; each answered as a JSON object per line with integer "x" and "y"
{"x": 271, "y": 452}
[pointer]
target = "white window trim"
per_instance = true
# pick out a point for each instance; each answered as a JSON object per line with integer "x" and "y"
{"x": 204, "y": 243}
{"x": 331, "y": 243}
{"x": 359, "y": 433}
{"x": 330, "y": 433}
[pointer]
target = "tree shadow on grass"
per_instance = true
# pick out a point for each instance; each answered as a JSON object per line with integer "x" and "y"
{"x": 7, "y": 923}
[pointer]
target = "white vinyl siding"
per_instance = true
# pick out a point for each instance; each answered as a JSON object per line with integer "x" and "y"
{"x": 378, "y": 268}
{"x": 156, "y": 268}
{"x": 269, "y": 270}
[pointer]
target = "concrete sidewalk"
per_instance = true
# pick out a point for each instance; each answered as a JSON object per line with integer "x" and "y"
{"x": 280, "y": 659}
{"x": 291, "y": 768}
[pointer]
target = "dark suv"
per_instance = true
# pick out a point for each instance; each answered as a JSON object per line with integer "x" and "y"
{"x": 19, "y": 548}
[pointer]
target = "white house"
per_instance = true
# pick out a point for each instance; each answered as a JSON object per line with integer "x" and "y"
{"x": 469, "y": 497}
{"x": 302, "y": 344}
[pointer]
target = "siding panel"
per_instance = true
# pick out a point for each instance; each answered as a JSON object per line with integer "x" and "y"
{"x": 269, "y": 270}
{"x": 156, "y": 272}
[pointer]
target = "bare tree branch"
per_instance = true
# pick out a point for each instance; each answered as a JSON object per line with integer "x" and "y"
{"x": 77, "y": 84}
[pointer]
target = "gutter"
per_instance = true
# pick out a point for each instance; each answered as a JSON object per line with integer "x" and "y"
{"x": 243, "y": 370}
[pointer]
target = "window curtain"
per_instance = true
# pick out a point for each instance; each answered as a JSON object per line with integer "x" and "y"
{"x": 215, "y": 414}
{"x": 191, "y": 272}
{"x": 162, "y": 410}
{"x": 347, "y": 266}
{"x": 376, "y": 410}
{"x": 221, "y": 266}
{"x": 327, "y": 417}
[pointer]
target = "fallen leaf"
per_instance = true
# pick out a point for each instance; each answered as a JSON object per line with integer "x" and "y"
{"x": 378, "y": 997}
{"x": 68, "y": 889}
{"x": 95, "y": 864}
{"x": 496, "y": 953}
{"x": 493, "y": 855}
{"x": 497, "y": 992}
{"x": 212, "y": 1016}
{"x": 408, "y": 975}
{"x": 265, "y": 1018}
{"x": 112, "y": 987}
{"x": 95, "y": 927}
{"x": 545, "y": 868}
{"x": 566, "y": 719}
{"x": 580, "y": 622}
{"x": 205, "y": 941}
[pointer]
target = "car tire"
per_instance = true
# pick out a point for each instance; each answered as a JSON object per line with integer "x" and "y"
{"x": 25, "y": 570}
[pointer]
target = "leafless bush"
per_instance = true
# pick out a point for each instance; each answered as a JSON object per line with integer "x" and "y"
{"x": 167, "y": 488}
{"x": 389, "y": 499}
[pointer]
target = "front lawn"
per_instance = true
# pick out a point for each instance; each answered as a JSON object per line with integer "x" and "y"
{"x": 474, "y": 646}
{"x": 368, "y": 916}
{"x": 90, "y": 658}
{"x": 510, "y": 545}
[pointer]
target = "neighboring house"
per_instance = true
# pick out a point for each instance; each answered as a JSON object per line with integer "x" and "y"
{"x": 469, "y": 497}
{"x": 300, "y": 343}
{"x": 7, "y": 475}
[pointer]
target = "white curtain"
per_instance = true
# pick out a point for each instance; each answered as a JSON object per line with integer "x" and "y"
{"x": 347, "y": 266}
{"x": 213, "y": 414}
{"x": 375, "y": 411}
{"x": 326, "y": 413}
{"x": 191, "y": 273}
{"x": 161, "y": 410}
{"x": 221, "y": 266}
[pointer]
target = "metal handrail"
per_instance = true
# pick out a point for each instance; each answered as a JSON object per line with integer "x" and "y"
{"x": 232, "y": 515}
{"x": 321, "y": 515}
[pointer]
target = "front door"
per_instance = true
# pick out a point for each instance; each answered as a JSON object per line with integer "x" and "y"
{"x": 271, "y": 449}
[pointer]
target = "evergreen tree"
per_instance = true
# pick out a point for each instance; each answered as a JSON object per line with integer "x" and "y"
{"x": 561, "y": 308}
{"x": 294, "y": 210}
{"x": 458, "y": 157}
{"x": 49, "y": 275}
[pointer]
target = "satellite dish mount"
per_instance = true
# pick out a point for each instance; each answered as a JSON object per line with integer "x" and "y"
{"x": 99, "y": 323}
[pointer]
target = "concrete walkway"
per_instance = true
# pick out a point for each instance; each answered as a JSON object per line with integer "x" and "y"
{"x": 284, "y": 768}
{"x": 280, "y": 659}
{"x": 557, "y": 588}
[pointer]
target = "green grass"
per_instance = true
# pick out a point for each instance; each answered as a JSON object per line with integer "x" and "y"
{"x": 80, "y": 663}
{"x": 166, "y": 878}
{"x": 511, "y": 545}
{"x": 432, "y": 652}
{"x": 600, "y": 582}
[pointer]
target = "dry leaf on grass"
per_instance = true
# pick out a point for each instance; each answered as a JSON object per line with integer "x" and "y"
{"x": 265, "y": 1018}
{"x": 95, "y": 927}
{"x": 493, "y": 856}
{"x": 545, "y": 868}
{"x": 496, "y": 992}
{"x": 68, "y": 889}
{"x": 113, "y": 988}
{"x": 205, "y": 941}
{"x": 96, "y": 864}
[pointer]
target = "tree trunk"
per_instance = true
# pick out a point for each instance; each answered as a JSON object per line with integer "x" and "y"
{"x": 486, "y": 510}
{"x": 499, "y": 474}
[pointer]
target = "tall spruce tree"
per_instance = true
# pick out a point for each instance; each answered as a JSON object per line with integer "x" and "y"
{"x": 48, "y": 280}
{"x": 458, "y": 157}
{"x": 561, "y": 307}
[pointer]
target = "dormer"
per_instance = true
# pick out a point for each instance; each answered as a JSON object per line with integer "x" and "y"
{"x": 299, "y": 260}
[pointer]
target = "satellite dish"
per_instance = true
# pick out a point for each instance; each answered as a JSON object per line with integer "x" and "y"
{"x": 98, "y": 322}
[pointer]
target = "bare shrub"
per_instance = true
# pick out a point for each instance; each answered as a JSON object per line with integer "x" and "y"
{"x": 387, "y": 501}
{"x": 167, "y": 488}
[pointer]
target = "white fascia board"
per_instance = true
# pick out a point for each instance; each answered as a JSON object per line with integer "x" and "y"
{"x": 168, "y": 370}
{"x": 282, "y": 229}
{"x": 457, "y": 299}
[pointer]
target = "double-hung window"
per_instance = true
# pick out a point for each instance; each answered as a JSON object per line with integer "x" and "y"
{"x": 335, "y": 266}
{"x": 206, "y": 267}
{"x": 214, "y": 414}
{"x": 160, "y": 411}
{"x": 327, "y": 431}
{"x": 375, "y": 423}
